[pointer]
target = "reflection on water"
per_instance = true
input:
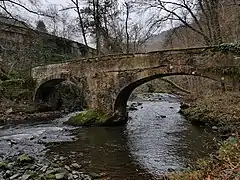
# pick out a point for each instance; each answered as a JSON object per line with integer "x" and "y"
{"x": 103, "y": 149}
{"x": 155, "y": 140}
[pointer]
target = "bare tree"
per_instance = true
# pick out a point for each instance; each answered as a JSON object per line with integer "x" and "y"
{"x": 127, "y": 5}
{"x": 139, "y": 35}
{"x": 30, "y": 6}
{"x": 77, "y": 9}
{"x": 75, "y": 5}
{"x": 101, "y": 22}
{"x": 201, "y": 16}
{"x": 96, "y": 16}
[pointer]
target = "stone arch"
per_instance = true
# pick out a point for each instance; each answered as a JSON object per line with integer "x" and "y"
{"x": 47, "y": 86}
{"x": 120, "y": 105}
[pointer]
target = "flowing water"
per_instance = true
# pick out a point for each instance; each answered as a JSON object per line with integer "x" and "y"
{"x": 156, "y": 140}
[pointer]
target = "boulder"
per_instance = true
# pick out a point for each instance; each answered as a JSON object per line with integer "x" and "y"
{"x": 88, "y": 118}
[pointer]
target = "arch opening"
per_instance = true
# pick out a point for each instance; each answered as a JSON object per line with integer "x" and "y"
{"x": 120, "y": 105}
{"x": 59, "y": 94}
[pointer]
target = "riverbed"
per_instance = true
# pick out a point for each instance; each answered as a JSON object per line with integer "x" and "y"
{"x": 156, "y": 140}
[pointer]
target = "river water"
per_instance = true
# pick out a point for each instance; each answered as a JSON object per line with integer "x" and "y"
{"x": 156, "y": 140}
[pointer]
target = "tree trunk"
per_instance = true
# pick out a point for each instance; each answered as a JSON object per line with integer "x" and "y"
{"x": 81, "y": 24}
{"x": 126, "y": 26}
{"x": 96, "y": 16}
{"x": 237, "y": 26}
{"x": 214, "y": 15}
{"x": 76, "y": 3}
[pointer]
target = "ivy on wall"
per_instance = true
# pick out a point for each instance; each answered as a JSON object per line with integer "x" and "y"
{"x": 226, "y": 48}
{"x": 229, "y": 47}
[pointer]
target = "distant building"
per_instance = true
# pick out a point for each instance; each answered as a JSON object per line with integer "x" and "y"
{"x": 22, "y": 47}
{"x": 12, "y": 22}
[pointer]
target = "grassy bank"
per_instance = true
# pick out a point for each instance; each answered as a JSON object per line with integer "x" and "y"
{"x": 221, "y": 111}
{"x": 218, "y": 109}
{"x": 224, "y": 165}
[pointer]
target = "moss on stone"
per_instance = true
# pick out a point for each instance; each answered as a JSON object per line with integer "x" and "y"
{"x": 25, "y": 159}
{"x": 50, "y": 176}
{"x": 88, "y": 118}
{"x": 3, "y": 165}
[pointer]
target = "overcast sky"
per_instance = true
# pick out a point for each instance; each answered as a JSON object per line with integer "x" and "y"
{"x": 65, "y": 2}
{"x": 57, "y": 1}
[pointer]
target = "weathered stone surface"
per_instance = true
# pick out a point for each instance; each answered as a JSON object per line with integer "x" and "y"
{"x": 25, "y": 159}
{"x": 67, "y": 168}
{"x": 88, "y": 118}
{"x": 76, "y": 166}
{"x": 15, "y": 176}
{"x": 3, "y": 165}
{"x": 9, "y": 111}
{"x": 25, "y": 177}
{"x": 44, "y": 168}
{"x": 60, "y": 175}
{"x": 107, "y": 82}
{"x": 40, "y": 169}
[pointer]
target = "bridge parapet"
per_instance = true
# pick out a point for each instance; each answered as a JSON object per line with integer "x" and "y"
{"x": 107, "y": 81}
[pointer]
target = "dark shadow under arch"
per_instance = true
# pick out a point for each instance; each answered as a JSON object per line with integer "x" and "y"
{"x": 120, "y": 105}
{"x": 47, "y": 90}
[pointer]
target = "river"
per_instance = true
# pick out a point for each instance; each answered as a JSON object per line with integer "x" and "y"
{"x": 156, "y": 140}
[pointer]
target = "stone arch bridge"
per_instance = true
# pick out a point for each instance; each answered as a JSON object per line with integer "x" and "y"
{"x": 107, "y": 82}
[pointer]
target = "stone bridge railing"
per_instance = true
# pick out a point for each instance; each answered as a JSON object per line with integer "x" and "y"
{"x": 107, "y": 81}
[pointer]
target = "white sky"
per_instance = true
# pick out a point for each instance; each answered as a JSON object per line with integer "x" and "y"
{"x": 32, "y": 19}
{"x": 72, "y": 13}
{"x": 64, "y": 2}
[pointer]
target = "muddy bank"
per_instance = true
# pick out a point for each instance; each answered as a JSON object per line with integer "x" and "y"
{"x": 22, "y": 117}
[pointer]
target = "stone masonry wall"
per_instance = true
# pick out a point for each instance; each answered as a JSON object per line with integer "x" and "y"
{"x": 22, "y": 48}
{"x": 108, "y": 81}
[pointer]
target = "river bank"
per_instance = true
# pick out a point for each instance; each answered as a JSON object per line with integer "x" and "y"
{"x": 218, "y": 110}
{"x": 134, "y": 151}
{"x": 25, "y": 167}
{"x": 16, "y": 102}
{"x": 221, "y": 112}
{"x": 24, "y": 117}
